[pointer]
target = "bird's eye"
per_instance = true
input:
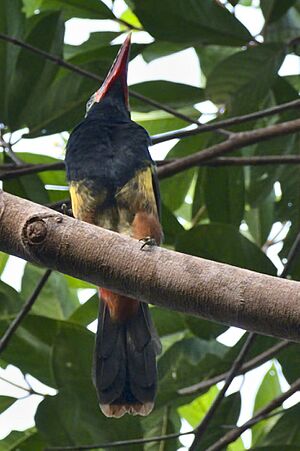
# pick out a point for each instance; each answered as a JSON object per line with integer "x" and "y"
{"x": 90, "y": 102}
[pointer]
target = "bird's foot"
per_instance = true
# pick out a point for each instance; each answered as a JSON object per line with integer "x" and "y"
{"x": 148, "y": 241}
{"x": 65, "y": 210}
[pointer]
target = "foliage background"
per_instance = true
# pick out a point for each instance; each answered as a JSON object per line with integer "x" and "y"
{"x": 225, "y": 213}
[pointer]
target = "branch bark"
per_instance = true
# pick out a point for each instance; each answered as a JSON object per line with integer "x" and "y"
{"x": 236, "y": 141}
{"x": 215, "y": 291}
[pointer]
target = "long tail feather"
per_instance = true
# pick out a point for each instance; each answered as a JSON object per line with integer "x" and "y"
{"x": 125, "y": 372}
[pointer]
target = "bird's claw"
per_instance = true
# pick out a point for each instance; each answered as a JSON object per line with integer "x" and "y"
{"x": 148, "y": 241}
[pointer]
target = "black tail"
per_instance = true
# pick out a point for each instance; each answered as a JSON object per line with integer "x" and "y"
{"x": 125, "y": 374}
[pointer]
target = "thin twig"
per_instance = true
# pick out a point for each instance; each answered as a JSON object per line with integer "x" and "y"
{"x": 28, "y": 389}
{"x": 23, "y": 312}
{"x": 292, "y": 255}
{"x": 136, "y": 441}
{"x": 7, "y": 146}
{"x": 248, "y": 366}
{"x": 27, "y": 169}
{"x": 10, "y": 171}
{"x": 178, "y": 134}
{"x": 237, "y": 141}
{"x": 232, "y": 435}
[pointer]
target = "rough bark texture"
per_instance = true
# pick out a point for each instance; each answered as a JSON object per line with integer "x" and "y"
{"x": 223, "y": 293}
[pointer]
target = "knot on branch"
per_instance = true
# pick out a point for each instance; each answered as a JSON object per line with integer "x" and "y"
{"x": 34, "y": 231}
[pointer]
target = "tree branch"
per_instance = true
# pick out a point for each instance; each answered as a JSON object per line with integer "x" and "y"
{"x": 178, "y": 134}
{"x": 10, "y": 171}
{"x": 177, "y": 281}
{"x": 232, "y": 435}
{"x": 237, "y": 141}
{"x": 23, "y": 312}
{"x": 136, "y": 441}
{"x": 248, "y": 366}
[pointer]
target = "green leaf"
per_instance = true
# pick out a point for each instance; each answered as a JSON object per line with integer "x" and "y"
{"x": 276, "y": 448}
{"x": 73, "y": 417}
{"x": 31, "y": 75}
{"x": 285, "y": 29}
{"x": 175, "y": 95}
{"x": 72, "y": 354}
{"x": 90, "y": 9}
{"x": 64, "y": 101}
{"x": 274, "y": 9}
{"x": 167, "y": 322}
{"x": 30, "y": 348}
{"x": 158, "y": 121}
{"x": 224, "y": 192}
{"x": 11, "y": 23}
{"x": 29, "y": 187}
{"x": 131, "y": 19}
{"x": 224, "y": 243}
{"x": 30, "y": 6}
{"x": 5, "y": 403}
{"x": 3, "y": 261}
{"x": 262, "y": 178}
{"x": 174, "y": 189}
{"x": 177, "y": 366}
{"x": 234, "y": 81}
{"x": 95, "y": 42}
{"x": 203, "y": 328}
{"x": 28, "y": 440}
{"x": 268, "y": 390}
{"x": 170, "y": 225}
{"x": 226, "y": 415}
{"x": 286, "y": 430}
{"x": 162, "y": 421}
{"x": 55, "y": 300}
{"x": 87, "y": 312}
{"x": 260, "y": 219}
{"x": 195, "y": 411}
{"x": 289, "y": 359}
{"x": 11, "y": 302}
{"x": 159, "y": 49}
{"x": 191, "y": 22}
{"x": 212, "y": 55}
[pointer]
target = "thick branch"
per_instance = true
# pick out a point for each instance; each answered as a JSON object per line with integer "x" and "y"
{"x": 237, "y": 141}
{"x": 177, "y": 281}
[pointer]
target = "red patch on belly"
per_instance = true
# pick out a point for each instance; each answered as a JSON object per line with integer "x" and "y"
{"x": 146, "y": 224}
{"x": 120, "y": 307}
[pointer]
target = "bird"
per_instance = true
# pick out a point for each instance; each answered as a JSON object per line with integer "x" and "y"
{"x": 113, "y": 184}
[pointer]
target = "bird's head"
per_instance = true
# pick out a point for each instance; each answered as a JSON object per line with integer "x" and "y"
{"x": 114, "y": 89}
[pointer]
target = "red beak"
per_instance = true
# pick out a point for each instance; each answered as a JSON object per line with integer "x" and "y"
{"x": 118, "y": 71}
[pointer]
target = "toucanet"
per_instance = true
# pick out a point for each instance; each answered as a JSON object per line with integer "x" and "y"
{"x": 113, "y": 184}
